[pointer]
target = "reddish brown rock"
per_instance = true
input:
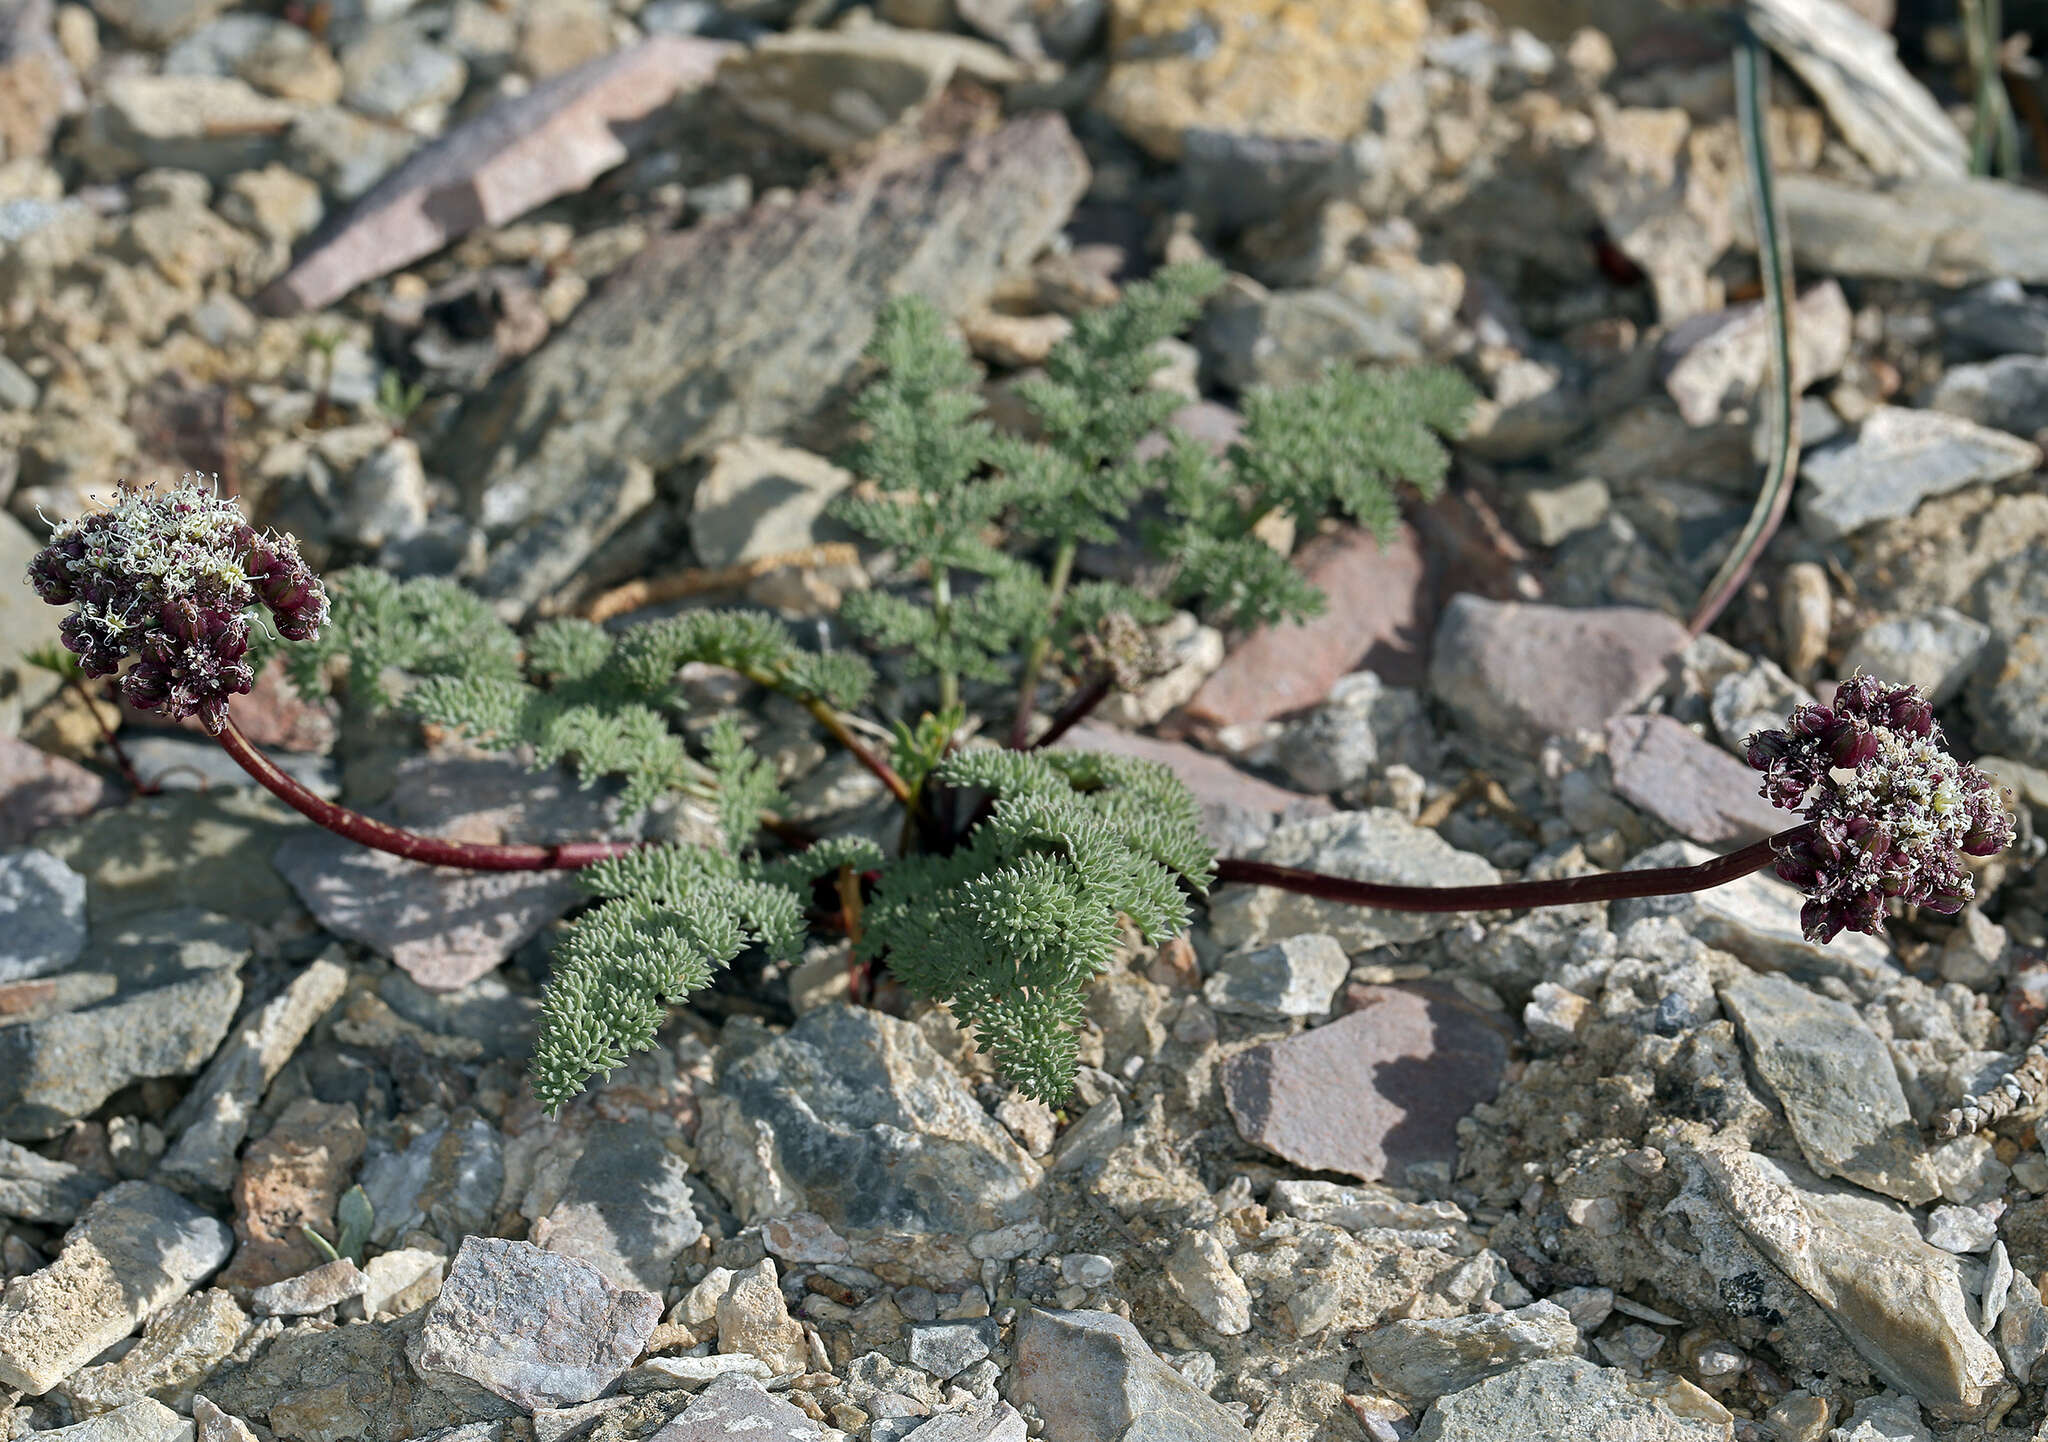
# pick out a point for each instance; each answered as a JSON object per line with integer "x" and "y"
{"x": 38, "y": 790}
{"x": 1237, "y": 807}
{"x": 292, "y": 1179}
{"x": 1372, "y": 1093}
{"x": 1518, "y": 672}
{"x": 1689, "y": 784}
{"x": 554, "y": 140}
{"x": 1378, "y": 619}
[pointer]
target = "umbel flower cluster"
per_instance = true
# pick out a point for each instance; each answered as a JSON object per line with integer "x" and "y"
{"x": 171, "y": 578}
{"x": 1889, "y": 813}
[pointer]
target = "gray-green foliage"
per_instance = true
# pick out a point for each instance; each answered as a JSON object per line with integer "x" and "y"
{"x": 1008, "y": 921}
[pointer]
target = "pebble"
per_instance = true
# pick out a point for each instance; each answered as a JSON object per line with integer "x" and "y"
{"x": 1519, "y": 673}
{"x": 401, "y": 1281}
{"x": 215, "y": 125}
{"x": 42, "y": 914}
{"x": 137, "y": 1249}
{"x": 35, "y": 1188}
{"x": 1372, "y": 1093}
{"x": 1296, "y": 977}
{"x": 446, "y": 1181}
{"x": 143, "y": 1420}
{"x": 1092, "y": 1378}
{"x": 985, "y": 1420}
{"x": 739, "y": 1406}
{"x": 292, "y": 1178}
{"x": 537, "y": 1329}
{"x": 626, "y": 1208}
{"x": 1087, "y": 1269}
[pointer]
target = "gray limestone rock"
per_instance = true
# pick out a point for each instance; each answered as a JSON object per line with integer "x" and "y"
{"x": 1898, "y": 459}
{"x": 42, "y": 914}
{"x": 180, "y": 1348}
{"x": 851, "y": 1114}
{"x": 137, "y": 1249}
{"x": 1423, "y": 1360}
{"x": 537, "y": 1329}
{"x": 1835, "y": 1080}
{"x": 1949, "y": 232}
{"x": 1568, "y": 1399}
{"x": 1295, "y": 977}
{"x": 2008, "y": 394}
{"x": 1935, "y": 650}
{"x": 739, "y": 1407}
{"x": 33, "y": 1188}
{"x": 626, "y": 1208}
{"x": 1093, "y": 1379}
{"x": 142, "y": 1420}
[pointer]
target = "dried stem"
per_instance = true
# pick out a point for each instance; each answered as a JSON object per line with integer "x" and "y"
{"x": 380, "y": 836}
{"x": 1512, "y": 895}
{"x": 1076, "y": 710}
{"x": 833, "y": 722}
{"x": 635, "y": 594}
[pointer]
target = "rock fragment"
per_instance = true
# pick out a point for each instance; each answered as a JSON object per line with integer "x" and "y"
{"x": 1568, "y": 1399}
{"x": 1093, "y": 1379}
{"x": 1424, "y": 1360}
{"x": 1295, "y": 977}
{"x": 178, "y": 1351}
{"x": 1898, "y": 459}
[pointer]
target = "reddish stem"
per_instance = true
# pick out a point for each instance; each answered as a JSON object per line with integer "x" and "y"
{"x": 120, "y": 754}
{"x": 1075, "y": 711}
{"x": 1512, "y": 895}
{"x": 378, "y": 835}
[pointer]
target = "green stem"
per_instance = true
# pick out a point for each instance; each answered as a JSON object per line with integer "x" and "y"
{"x": 1041, "y": 646}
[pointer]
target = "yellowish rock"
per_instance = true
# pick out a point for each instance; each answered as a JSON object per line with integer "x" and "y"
{"x": 1293, "y": 68}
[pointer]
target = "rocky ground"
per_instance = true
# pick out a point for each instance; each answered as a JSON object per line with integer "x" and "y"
{"x": 558, "y": 295}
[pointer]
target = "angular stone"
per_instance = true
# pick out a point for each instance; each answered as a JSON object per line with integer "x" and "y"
{"x": 1518, "y": 672}
{"x": 1295, "y": 977}
{"x": 1836, "y": 1082}
{"x": 2009, "y": 394}
{"x": 1997, "y": 318}
{"x": 327, "y": 1285}
{"x": 626, "y": 1208}
{"x": 1568, "y": 1399}
{"x": 523, "y": 152}
{"x": 537, "y": 1329}
{"x": 144, "y": 1420}
{"x": 1935, "y": 650}
{"x": 137, "y": 1249}
{"x": 215, "y": 125}
{"x": 58, "y": 1069}
{"x": 291, "y": 1179}
{"x": 38, "y": 790}
{"x": 1093, "y": 1379}
{"x": 213, "y": 1425}
{"x": 1424, "y": 1360}
{"x": 213, "y": 1118}
{"x": 1940, "y": 232}
{"x": 158, "y": 852}
{"x": 443, "y": 926}
{"x": 1255, "y": 337}
{"x": 753, "y": 1318}
{"x": 1238, "y": 809}
{"x": 2023, "y": 1329}
{"x": 402, "y": 1281}
{"x": 946, "y": 1349}
{"x": 1378, "y": 619}
{"x": 33, "y": 1188}
{"x": 42, "y": 914}
{"x": 446, "y": 1181}
{"x": 1717, "y": 360}
{"x": 1897, "y": 460}
{"x": 993, "y": 1420}
{"x": 178, "y": 1351}
{"x": 739, "y": 1407}
{"x": 761, "y": 498}
{"x": 651, "y": 368}
{"x": 1372, "y": 1093}
{"x": 852, "y": 1115}
{"x": 1378, "y": 845}
{"x": 1689, "y": 784}
{"x": 835, "y": 89}
{"x": 1899, "y": 1301}
{"x": 1199, "y": 1271}
{"x": 1261, "y": 68}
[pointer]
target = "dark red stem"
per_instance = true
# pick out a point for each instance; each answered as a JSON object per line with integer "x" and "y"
{"x": 432, "y": 850}
{"x": 1075, "y": 711}
{"x": 1512, "y": 895}
{"x": 120, "y": 754}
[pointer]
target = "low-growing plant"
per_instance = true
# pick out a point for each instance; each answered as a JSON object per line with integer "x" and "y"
{"x": 1017, "y": 866}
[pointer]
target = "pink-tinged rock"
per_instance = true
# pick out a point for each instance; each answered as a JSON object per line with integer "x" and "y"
{"x": 1377, "y": 619}
{"x": 1519, "y": 672}
{"x": 554, "y": 140}
{"x": 1691, "y": 785}
{"x": 1238, "y": 809}
{"x": 1374, "y": 1092}
{"x": 38, "y": 790}
{"x": 443, "y": 926}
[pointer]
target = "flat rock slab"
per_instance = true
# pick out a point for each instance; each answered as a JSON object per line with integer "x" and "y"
{"x": 1688, "y": 783}
{"x": 1518, "y": 672}
{"x": 1378, "y": 619}
{"x": 143, "y": 1420}
{"x": 745, "y": 324}
{"x": 854, "y": 1116}
{"x": 738, "y": 1407}
{"x": 42, "y": 914}
{"x": 1378, "y": 845}
{"x": 1943, "y": 232}
{"x": 523, "y": 152}
{"x": 1424, "y": 1359}
{"x": 1238, "y": 809}
{"x": 1898, "y": 459}
{"x": 178, "y": 1350}
{"x": 1093, "y": 1378}
{"x": 626, "y": 1208}
{"x": 158, "y": 852}
{"x": 1836, "y": 1082}
{"x": 33, "y": 1188}
{"x": 539, "y": 1330}
{"x": 137, "y": 1249}
{"x": 443, "y": 926}
{"x": 1374, "y": 1092}
{"x": 1568, "y": 1399}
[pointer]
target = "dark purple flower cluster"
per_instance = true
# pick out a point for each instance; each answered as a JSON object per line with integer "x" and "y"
{"x": 170, "y": 578}
{"x": 1889, "y": 812}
